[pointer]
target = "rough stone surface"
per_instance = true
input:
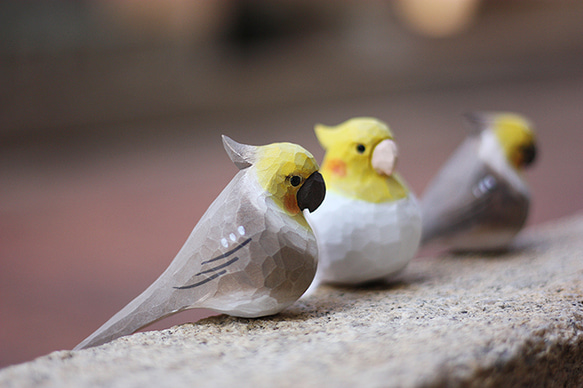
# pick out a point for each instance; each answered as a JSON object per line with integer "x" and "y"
{"x": 514, "y": 319}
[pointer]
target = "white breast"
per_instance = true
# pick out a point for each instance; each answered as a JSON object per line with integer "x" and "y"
{"x": 491, "y": 153}
{"x": 360, "y": 241}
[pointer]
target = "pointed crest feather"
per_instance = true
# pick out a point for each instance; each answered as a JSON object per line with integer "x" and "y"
{"x": 478, "y": 121}
{"x": 242, "y": 155}
{"x": 324, "y": 134}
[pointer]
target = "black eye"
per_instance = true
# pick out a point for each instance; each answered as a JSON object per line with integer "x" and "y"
{"x": 295, "y": 180}
{"x": 360, "y": 148}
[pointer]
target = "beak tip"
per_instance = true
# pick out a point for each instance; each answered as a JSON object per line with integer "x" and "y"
{"x": 529, "y": 154}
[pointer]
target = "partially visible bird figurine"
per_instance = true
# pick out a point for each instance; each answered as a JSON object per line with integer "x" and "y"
{"x": 369, "y": 225}
{"x": 251, "y": 254}
{"x": 479, "y": 200}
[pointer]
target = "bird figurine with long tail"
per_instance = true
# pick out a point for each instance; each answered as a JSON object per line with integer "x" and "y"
{"x": 251, "y": 254}
{"x": 479, "y": 199}
{"x": 369, "y": 225}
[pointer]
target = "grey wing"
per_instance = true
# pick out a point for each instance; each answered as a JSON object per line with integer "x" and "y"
{"x": 214, "y": 247}
{"x": 460, "y": 191}
{"x": 219, "y": 244}
{"x": 274, "y": 268}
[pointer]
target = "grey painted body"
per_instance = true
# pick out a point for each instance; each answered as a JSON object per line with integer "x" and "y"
{"x": 471, "y": 204}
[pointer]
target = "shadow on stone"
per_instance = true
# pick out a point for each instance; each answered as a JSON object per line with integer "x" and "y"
{"x": 507, "y": 253}
{"x": 377, "y": 285}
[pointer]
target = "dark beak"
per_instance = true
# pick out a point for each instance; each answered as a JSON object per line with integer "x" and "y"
{"x": 528, "y": 154}
{"x": 312, "y": 193}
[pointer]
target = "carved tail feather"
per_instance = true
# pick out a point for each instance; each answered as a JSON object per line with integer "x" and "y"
{"x": 155, "y": 303}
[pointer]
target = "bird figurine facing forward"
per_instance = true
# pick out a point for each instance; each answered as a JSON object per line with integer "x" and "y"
{"x": 369, "y": 225}
{"x": 479, "y": 200}
{"x": 251, "y": 254}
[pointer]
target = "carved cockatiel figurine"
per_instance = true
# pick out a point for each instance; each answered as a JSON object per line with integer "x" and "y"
{"x": 479, "y": 199}
{"x": 251, "y": 254}
{"x": 369, "y": 225}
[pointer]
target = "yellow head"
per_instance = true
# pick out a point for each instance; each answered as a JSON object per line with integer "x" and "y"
{"x": 516, "y": 137}
{"x": 513, "y": 132}
{"x": 360, "y": 160}
{"x": 287, "y": 172}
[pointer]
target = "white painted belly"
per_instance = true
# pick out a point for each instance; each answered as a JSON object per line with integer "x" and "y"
{"x": 360, "y": 241}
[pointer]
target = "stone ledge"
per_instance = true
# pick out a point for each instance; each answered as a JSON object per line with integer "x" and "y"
{"x": 508, "y": 320}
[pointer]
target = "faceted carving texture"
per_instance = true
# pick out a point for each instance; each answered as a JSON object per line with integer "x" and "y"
{"x": 379, "y": 240}
{"x": 251, "y": 254}
{"x": 369, "y": 225}
{"x": 272, "y": 246}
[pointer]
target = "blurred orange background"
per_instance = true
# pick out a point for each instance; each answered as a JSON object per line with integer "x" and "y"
{"x": 111, "y": 114}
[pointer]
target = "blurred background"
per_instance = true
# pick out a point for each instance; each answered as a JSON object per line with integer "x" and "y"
{"x": 111, "y": 114}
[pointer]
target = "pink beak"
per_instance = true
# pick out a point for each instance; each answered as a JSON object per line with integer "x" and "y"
{"x": 384, "y": 157}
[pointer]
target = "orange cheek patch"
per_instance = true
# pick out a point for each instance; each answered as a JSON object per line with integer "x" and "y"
{"x": 336, "y": 167}
{"x": 516, "y": 159}
{"x": 291, "y": 204}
